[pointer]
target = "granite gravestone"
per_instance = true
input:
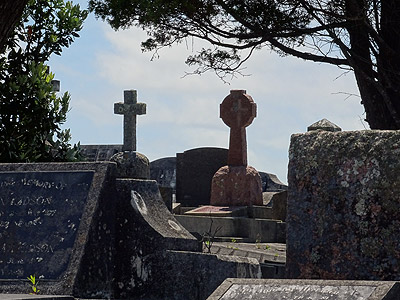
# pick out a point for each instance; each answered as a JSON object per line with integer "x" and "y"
{"x": 284, "y": 289}
{"x": 194, "y": 171}
{"x": 343, "y": 205}
{"x": 56, "y": 223}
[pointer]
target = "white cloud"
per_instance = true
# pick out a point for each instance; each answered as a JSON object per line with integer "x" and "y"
{"x": 183, "y": 113}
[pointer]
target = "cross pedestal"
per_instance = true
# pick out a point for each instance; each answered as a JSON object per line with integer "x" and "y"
{"x": 130, "y": 108}
{"x": 237, "y": 184}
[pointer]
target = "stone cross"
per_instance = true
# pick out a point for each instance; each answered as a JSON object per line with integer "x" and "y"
{"x": 130, "y": 109}
{"x": 238, "y": 111}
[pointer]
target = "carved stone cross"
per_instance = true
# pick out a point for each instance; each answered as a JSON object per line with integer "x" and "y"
{"x": 238, "y": 111}
{"x": 130, "y": 109}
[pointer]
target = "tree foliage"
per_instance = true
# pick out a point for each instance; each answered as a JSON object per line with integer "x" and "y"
{"x": 358, "y": 35}
{"x": 10, "y": 13}
{"x": 30, "y": 111}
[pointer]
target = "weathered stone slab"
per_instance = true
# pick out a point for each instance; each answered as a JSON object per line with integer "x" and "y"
{"x": 146, "y": 230}
{"x": 56, "y": 223}
{"x": 343, "y": 205}
{"x": 196, "y": 275}
{"x": 269, "y": 231}
{"x": 274, "y": 206}
{"x": 219, "y": 211}
{"x": 271, "y": 183}
{"x": 33, "y": 297}
{"x": 35, "y": 204}
{"x": 195, "y": 169}
{"x": 284, "y": 289}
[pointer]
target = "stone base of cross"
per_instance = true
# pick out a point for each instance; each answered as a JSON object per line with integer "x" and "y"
{"x": 130, "y": 108}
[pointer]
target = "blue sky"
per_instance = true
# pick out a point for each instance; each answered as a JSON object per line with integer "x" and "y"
{"x": 183, "y": 112}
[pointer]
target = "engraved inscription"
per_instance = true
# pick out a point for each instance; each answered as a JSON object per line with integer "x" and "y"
{"x": 40, "y": 213}
{"x": 293, "y": 292}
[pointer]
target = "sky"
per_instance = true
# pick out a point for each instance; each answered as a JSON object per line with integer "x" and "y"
{"x": 183, "y": 111}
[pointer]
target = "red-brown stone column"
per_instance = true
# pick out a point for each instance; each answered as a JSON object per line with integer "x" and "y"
{"x": 238, "y": 111}
{"x": 237, "y": 184}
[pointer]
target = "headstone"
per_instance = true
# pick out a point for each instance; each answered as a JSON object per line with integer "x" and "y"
{"x": 57, "y": 223}
{"x": 94, "y": 153}
{"x": 237, "y": 184}
{"x": 343, "y": 205}
{"x": 163, "y": 171}
{"x": 284, "y": 289}
{"x": 130, "y": 108}
{"x": 271, "y": 183}
{"x": 194, "y": 171}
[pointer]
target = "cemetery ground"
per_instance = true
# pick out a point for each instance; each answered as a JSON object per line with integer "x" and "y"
{"x": 120, "y": 227}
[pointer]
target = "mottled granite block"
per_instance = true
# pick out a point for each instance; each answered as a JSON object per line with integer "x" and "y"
{"x": 343, "y": 217}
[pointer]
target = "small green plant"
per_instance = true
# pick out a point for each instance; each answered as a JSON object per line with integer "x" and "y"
{"x": 233, "y": 240}
{"x": 34, "y": 284}
{"x": 267, "y": 247}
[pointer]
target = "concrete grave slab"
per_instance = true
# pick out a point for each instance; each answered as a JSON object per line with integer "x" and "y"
{"x": 287, "y": 289}
{"x": 33, "y": 297}
{"x": 269, "y": 231}
{"x": 218, "y": 211}
{"x": 56, "y": 223}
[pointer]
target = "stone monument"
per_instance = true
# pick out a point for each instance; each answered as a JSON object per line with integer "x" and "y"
{"x": 130, "y": 163}
{"x": 237, "y": 184}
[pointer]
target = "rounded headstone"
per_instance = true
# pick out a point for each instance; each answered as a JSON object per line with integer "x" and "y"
{"x": 131, "y": 164}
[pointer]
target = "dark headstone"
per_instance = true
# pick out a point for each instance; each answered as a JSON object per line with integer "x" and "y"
{"x": 57, "y": 223}
{"x": 284, "y": 289}
{"x": 99, "y": 152}
{"x": 343, "y": 211}
{"x": 166, "y": 195}
{"x": 195, "y": 169}
{"x": 163, "y": 171}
